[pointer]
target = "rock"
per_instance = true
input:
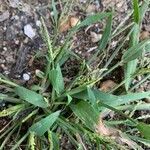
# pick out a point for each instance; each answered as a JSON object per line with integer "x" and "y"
{"x": 95, "y": 37}
{"x": 144, "y": 35}
{"x": 4, "y": 16}
{"x": 14, "y": 3}
{"x": 107, "y": 85}
{"x": 29, "y": 31}
{"x": 26, "y": 77}
{"x": 38, "y": 23}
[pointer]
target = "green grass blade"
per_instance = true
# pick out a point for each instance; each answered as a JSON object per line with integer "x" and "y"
{"x": 105, "y": 37}
{"x": 4, "y": 97}
{"x": 91, "y": 95}
{"x": 143, "y": 106}
{"x": 54, "y": 140}
{"x": 11, "y": 110}
{"x": 56, "y": 79}
{"x": 7, "y": 138}
{"x": 48, "y": 41}
{"x": 136, "y": 11}
{"x": 55, "y": 12}
{"x": 112, "y": 100}
{"x": 31, "y": 97}
{"x": 30, "y": 115}
{"x": 130, "y": 67}
{"x": 144, "y": 130}
{"x": 144, "y": 7}
{"x": 86, "y": 113}
{"x": 31, "y": 144}
{"x": 20, "y": 141}
{"x": 40, "y": 127}
{"x": 87, "y": 22}
{"x": 92, "y": 19}
{"x": 141, "y": 140}
{"x": 117, "y": 111}
{"x": 135, "y": 51}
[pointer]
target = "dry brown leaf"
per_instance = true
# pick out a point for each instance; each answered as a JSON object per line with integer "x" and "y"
{"x": 103, "y": 130}
{"x": 107, "y": 85}
{"x": 144, "y": 35}
{"x": 74, "y": 21}
{"x": 64, "y": 25}
{"x": 68, "y": 23}
{"x": 95, "y": 37}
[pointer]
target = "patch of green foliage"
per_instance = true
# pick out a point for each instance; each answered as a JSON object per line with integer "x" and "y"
{"x": 51, "y": 109}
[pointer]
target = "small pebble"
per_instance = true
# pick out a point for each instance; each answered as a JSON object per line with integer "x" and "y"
{"x": 52, "y": 13}
{"x": 5, "y": 48}
{"x": 26, "y": 77}
{"x": 38, "y": 23}
{"x": 29, "y": 31}
{"x": 17, "y": 42}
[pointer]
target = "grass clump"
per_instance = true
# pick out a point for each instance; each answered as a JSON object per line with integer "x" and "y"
{"x": 43, "y": 114}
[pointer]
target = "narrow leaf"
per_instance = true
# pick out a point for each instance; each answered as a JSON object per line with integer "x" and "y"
{"x": 86, "y": 113}
{"x": 106, "y": 34}
{"x": 55, "y": 11}
{"x": 11, "y": 110}
{"x": 92, "y": 19}
{"x": 112, "y": 100}
{"x": 130, "y": 67}
{"x": 136, "y": 11}
{"x": 31, "y": 97}
{"x": 69, "y": 98}
{"x": 56, "y": 79}
{"x": 144, "y": 130}
{"x": 105, "y": 37}
{"x": 143, "y": 9}
{"x": 40, "y": 127}
{"x": 135, "y": 51}
{"x": 91, "y": 95}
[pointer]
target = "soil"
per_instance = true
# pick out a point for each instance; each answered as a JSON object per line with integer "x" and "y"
{"x": 17, "y": 49}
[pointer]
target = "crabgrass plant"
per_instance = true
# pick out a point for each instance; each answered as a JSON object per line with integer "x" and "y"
{"x": 43, "y": 114}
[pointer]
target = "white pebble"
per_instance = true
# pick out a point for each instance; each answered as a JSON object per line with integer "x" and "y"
{"x": 29, "y": 31}
{"x": 38, "y": 23}
{"x": 52, "y": 13}
{"x": 26, "y": 77}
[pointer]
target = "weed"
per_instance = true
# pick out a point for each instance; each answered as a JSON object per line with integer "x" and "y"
{"x": 52, "y": 109}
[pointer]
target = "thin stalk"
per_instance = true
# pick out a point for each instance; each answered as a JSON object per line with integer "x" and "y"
{"x": 20, "y": 141}
{"x": 8, "y": 82}
{"x": 122, "y": 30}
{"x": 124, "y": 20}
{"x": 8, "y": 130}
{"x": 117, "y": 50}
{"x": 9, "y": 99}
{"x": 5, "y": 126}
{"x": 7, "y": 138}
{"x": 118, "y": 111}
{"x": 140, "y": 82}
{"x": 111, "y": 69}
